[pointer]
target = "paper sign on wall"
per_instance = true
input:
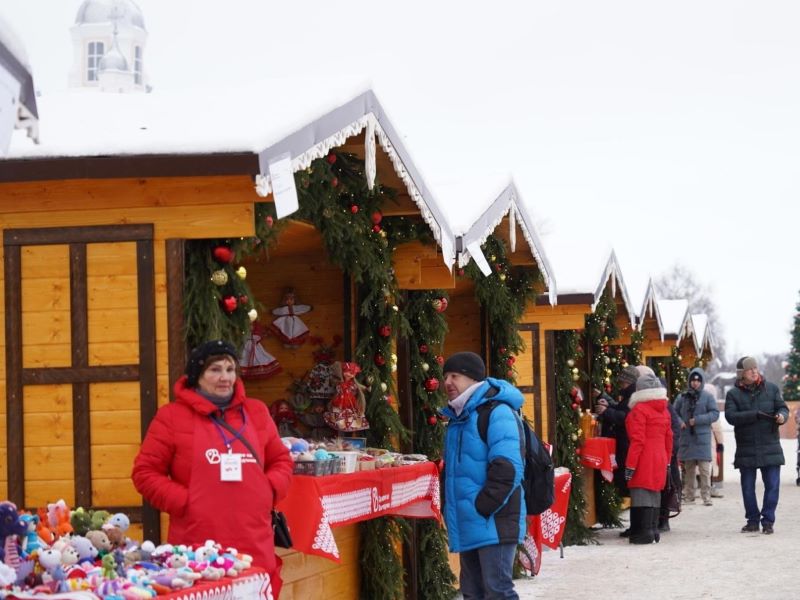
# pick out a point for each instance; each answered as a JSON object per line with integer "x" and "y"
{"x": 284, "y": 193}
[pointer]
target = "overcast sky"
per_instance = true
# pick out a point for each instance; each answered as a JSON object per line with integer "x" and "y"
{"x": 670, "y": 131}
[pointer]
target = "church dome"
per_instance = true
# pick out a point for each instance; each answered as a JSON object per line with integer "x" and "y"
{"x": 103, "y": 11}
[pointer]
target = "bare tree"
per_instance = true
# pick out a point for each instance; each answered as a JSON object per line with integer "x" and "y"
{"x": 681, "y": 282}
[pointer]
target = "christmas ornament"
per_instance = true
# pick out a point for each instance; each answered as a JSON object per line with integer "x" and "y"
{"x": 437, "y": 304}
{"x": 229, "y": 303}
{"x": 379, "y": 360}
{"x": 223, "y": 254}
{"x": 268, "y": 220}
{"x": 431, "y": 384}
{"x": 440, "y": 360}
{"x": 241, "y": 272}
{"x": 243, "y": 299}
{"x": 431, "y": 420}
{"x": 426, "y": 367}
{"x": 354, "y": 208}
{"x": 252, "y": 314}
{"x": 570, "y": 363}
{"x": 423, "y": 348}
{"x": 219, "y": 277}
{"x": 510, "y": 360}
{"x": 384, "y": 331}
{"x": 331, "y": 158}
{"x": 376, "y": 217}
{"x": 384, "y": 387}
{"x": 335, "y": 182}
{"x": 376, "y": 228}
{"x": 502, "y": 276}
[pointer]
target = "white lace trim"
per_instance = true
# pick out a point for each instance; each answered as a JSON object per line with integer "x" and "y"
{"x": 263, "y": 186}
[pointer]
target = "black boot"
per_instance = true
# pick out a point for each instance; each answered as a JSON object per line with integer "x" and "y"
{"x": 641, "y": 525}
{"x": 656, "y": 515}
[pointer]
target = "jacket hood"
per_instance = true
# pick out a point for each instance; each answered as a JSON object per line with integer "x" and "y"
{"x": 498, "y": 390}
{"x": 648, "y": 395}
{"x": 700, "y": 373}
{"x": 187, "y": 395}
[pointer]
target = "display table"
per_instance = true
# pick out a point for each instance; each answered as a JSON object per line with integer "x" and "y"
{"x": 315, "y": 504}
{"x": 600, "y": 453}
{"x": 547, "y": 528}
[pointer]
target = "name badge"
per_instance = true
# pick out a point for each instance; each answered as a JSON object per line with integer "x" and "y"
{"x": 230, "y": 467}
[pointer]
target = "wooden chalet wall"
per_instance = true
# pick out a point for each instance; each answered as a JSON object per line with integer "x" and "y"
{"x": 86, "y": 310}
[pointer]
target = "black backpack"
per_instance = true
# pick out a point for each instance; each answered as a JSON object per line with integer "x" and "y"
{"x": 538, "y": 478}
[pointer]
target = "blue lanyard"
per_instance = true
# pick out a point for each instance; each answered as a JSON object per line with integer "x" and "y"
{"x": 238, "y": 434}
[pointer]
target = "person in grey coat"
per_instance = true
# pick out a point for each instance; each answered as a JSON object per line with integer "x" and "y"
{"x": 756, "y": 409}
{"x": 697, "y": 410}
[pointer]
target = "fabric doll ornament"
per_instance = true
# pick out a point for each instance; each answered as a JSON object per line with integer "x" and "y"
{"x": 285, "y": 418}
{"x": 288, "y": 327}
{"x": 255, "y": 361}
{"x": 348, "y": 405}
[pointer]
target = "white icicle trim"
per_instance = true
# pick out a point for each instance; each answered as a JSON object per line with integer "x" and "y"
{"x": 370, "y": 166}
{"x": 512, "y": 229}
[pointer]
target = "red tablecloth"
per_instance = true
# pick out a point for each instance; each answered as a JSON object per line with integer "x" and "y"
{"x": 548, "y": 527}
{"x": 600, "y": 453}
{"x": 315, "y": 504}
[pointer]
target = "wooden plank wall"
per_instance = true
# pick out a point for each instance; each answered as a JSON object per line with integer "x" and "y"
{"x": 463, "y": 320}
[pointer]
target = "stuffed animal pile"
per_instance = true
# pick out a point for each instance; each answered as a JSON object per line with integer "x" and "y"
{"x": 58, "y": 550}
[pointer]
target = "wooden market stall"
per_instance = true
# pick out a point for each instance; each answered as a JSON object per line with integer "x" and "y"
{"x": 95, "y": 232}
{"x": 508, "y": 222}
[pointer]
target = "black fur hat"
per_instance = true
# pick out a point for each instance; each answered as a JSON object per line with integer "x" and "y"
{"x": 199, "y": 357}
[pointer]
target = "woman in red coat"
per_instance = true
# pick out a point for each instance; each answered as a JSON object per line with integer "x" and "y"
{"x": 650, "y": 434}
{"x": 206, "y": 477}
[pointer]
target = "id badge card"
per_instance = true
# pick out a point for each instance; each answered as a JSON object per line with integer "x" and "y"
{"x": 230, "y": 467}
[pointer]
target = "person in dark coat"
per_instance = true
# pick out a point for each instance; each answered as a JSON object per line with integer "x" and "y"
{"x": 697, "y": 410}
{"x": 612, "y": 422}
{"x": 756, "y": 409}
{"x": 674, "y": 469}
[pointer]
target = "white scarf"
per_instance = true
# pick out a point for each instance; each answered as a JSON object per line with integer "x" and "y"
{"x": 457, "y": 403}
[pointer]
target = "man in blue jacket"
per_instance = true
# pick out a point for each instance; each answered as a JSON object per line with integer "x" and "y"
{"x": 756, "y": 409}
{"x": 484, "y": 507}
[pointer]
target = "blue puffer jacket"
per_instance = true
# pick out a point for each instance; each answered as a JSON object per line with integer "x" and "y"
{"x": 483, "y": 497}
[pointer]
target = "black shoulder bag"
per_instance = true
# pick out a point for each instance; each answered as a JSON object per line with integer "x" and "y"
{"x": 280, "y": 528}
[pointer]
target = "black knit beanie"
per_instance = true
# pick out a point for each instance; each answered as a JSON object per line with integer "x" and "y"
{"x": 198, "y": 358}
{"x": 466, "y": 363}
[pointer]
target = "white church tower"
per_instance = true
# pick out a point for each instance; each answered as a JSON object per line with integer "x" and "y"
{"x": 108, "y": 40}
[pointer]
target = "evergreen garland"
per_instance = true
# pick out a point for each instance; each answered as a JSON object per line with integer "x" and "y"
{"x": 427, "y": 330}
{"x": 567, "y": 441}
{"x": 791, "y": 380}
{"x": 503, "y": 295}
{"x": 600, "y": 330}
{"x": 679, "y": 375}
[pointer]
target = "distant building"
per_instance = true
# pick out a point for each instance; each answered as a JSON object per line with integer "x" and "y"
{"x": 108, "y": 43}
{"x": 17, "y": 98}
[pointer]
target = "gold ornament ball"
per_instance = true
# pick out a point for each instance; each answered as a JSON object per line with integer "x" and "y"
{"x": 219, "y": 277}
{"x": 241, "y": 272}
{"x": 575, "y": 377}
{"x": 425, "y": 367}
{"x": 502, "y": 276}
{"x": 574, "y": 370}
{"x": 607, "y": 381}
{"x": 574, "y": 438}
{"x": 570, "y": 362}
{"x": 492, "y": 257}
{"x": 384, "y": 387}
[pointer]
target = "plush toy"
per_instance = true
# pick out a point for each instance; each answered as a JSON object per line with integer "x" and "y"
{"x": 85, "y": 549}
{"x": 120, "y": 521}
{"x": 115, "y": 536}
{"x": 31, "y": 540}
{"x": 50, "y": 560}
{"x": 100, "y": 541}
{"x": 12, "y": 529}
{"x": 98, "y": 518}
{"x": 285, "y": 418}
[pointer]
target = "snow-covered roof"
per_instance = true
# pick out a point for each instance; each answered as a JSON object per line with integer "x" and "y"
{"x": 302, "y": 117}
{"x": 702, "y": 332}
{"x": 673, "y": 317}
{"x": 649, "y": 302}
{"x": 613, "y": 274}
{"x": 17, "y": 99}
{"x": 505, "y": 202}
{"x": 577, "y": 262}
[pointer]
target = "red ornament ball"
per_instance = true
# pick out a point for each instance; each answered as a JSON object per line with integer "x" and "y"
{"x": 229, "y": 304}
{"x": 223, "y": 254}
{"x": 431, "y": 384}
{"x": 331, "y": 158}
{"x": 376, "y": 228}
{"x": 384, "y": 331}
{"x": 335, "y": 182}
{"x": 510, "y": 360}
{"x": 460, "y": 272}
{"x": 440, "y": 360}
{"x": 354, "y": 208}
{"x": 440, "y": 305}
{"x": 376, "y": 217}
{"x": 575, "y": 406}
{"x": 268, "y": 220}
{"x": 501, "y": 350}
{"x": 423, "y": 348}
{"x": 243, "y": 299}
{"x": 431, "y": 421}
{"x": 379, "y": 360}
{"x": 578, "y": 451}
{"x": 509, "y": 374}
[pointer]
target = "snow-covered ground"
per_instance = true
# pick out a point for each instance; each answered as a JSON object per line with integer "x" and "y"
{"x": 704, "y": 556}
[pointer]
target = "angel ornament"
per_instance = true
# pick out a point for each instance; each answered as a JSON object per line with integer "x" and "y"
{"x": 347, "y": 406}
{"x": 287, "y": 326}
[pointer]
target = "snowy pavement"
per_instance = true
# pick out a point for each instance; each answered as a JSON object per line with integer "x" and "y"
{"x": 704, "y": 556}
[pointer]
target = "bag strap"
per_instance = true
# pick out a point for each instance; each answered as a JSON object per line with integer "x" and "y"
{"x": 223, "y": 423}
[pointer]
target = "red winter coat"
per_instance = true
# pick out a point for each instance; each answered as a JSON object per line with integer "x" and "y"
{"x": 649, "y": 430}
{"x": 177, "y": 470}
